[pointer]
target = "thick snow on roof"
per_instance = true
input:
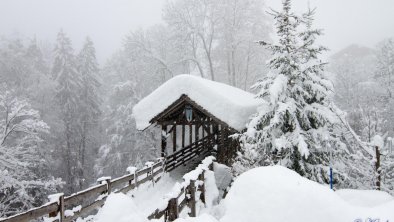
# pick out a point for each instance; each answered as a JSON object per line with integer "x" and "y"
{"x": 229, "y": 104}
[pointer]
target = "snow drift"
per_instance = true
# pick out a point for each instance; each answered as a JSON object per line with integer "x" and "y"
{"x": 277, "y": 194}
{"x": 115, "y": 207}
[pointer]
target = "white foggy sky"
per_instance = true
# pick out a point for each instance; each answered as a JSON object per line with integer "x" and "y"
{"x": 364, "y": 22}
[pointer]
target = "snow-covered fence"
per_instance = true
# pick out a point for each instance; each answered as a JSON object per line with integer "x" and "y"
{"x": 188, "y": 193}
{"x": 68, "y": 208}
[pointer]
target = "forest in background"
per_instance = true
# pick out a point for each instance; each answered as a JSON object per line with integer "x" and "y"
{"x": 66, "y": 120}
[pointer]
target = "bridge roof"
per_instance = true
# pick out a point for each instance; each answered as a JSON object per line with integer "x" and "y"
{"x": 231, "y": 105}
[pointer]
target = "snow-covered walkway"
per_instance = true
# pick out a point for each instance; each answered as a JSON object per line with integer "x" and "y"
{"x": 144, "y": 200}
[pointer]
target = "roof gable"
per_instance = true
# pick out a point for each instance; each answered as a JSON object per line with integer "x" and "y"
{"x": 174, "y": 108}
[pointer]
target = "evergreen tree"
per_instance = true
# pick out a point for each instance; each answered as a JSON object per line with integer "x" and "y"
{"x": 64, "y": 71}
{"x": 385, "y": 76}
{"x": 89, "y": 103}
{"x": 385, "y": 66}
{"x": 295, "y": 119}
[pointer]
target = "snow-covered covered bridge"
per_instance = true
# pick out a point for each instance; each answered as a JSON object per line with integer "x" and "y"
{"x": 196, "y": 116}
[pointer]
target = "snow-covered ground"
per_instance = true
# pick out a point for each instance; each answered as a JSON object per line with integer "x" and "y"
{"x": 139, "y": 203}
{"x": 274, "y": 194}
{"x": 277, "y": 194}
{"x": 136, "y": 205}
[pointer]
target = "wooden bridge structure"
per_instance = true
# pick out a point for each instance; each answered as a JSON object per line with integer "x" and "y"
{"x": 191, "y": 131}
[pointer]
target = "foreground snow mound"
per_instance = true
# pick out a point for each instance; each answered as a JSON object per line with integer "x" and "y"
{"x": 120, "y": 208}
{"x": 277, "y": 194}
{"x": 201, "y": 218}
{"x": 365, "y": 198}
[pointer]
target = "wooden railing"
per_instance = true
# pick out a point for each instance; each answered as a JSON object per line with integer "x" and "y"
{"x": 83, "y": 203}
{"x": 202, "y": 147}
{"x": 188, "y": 193}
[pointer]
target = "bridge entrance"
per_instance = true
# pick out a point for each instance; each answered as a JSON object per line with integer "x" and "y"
{"x": 189, "y": 131}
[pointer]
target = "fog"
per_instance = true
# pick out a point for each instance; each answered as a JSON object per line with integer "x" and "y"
{"x": 73, "y": 71}
{"x": 345, "y": 22}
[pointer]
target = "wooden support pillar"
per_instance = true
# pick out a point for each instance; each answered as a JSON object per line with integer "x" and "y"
{"x": 201, "y": 177}
{"x": 216, "y": 132}
{"x": 192, "y": 200}
{"x": 61, "y": 208}
{"x": 183, "y": 136}
{"x": 203, "y": 133}
{"x": 164, "y": 141}
{"x": 197, "y": 132}
{"x": 197, "y": 135}
{"x": 222, "y": 145}
{"x": 173, "y": 213}
{"x": 174, "y": 139}
{"x": 190, "y": 134}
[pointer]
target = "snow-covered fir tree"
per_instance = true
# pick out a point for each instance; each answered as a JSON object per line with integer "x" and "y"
{"x": 65, "y": 72}
{"x": 295, "y": 122}
{"x": 89, "y": 108}
{"x": 385, "y": 76}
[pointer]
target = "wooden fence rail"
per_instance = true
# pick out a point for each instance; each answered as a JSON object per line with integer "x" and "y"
{"x": 83, "y": 203}
{"x": 202, "y": 147}
{"x": 186, "y": 195}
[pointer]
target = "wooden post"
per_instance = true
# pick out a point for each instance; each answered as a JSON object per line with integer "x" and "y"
{"x": 197, "y": 132}
{"x": 183, "y": 135}
{"x": 163, "y": 165}
{"x": 190, "y": 134}
{"x": 203, "y": 135}
{"x": 61, "y": 208}
{"x": 150, "y": 173}
{"x": 201, "y": 177}
{"x": 216, "y": 132}
{"x": 173, "y": 213}
{"x": 136, "y": 178}
{"x": 108, "y": 181}
{"x": 174, "y": 139}
{"x": 377, "y": 168}
{"x": 192, "y": 200}
{"x": 221, "y": 147}
{"x": 164, "y": 141}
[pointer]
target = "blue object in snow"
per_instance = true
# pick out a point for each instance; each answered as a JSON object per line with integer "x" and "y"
{"x": 331, "y": 178}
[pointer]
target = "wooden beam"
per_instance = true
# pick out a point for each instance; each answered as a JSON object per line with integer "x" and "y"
{"x": 203, "y": 136}
{"x": 221, "y": 147}
{"x": 183, "y": 136}
{"x": 163, "y": 140}
{"x": 172, "y": 128}
{"x": 196, "y": 132}
{"x": 190, "y": 134}
{"x": 174, "y": 139}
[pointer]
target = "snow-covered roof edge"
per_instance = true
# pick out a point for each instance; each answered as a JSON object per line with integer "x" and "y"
{"x": 229, "y": 104}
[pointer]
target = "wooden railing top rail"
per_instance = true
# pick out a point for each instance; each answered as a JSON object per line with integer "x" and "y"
{"x": 189, "y": 147}
{"x": 57, "y": 208}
